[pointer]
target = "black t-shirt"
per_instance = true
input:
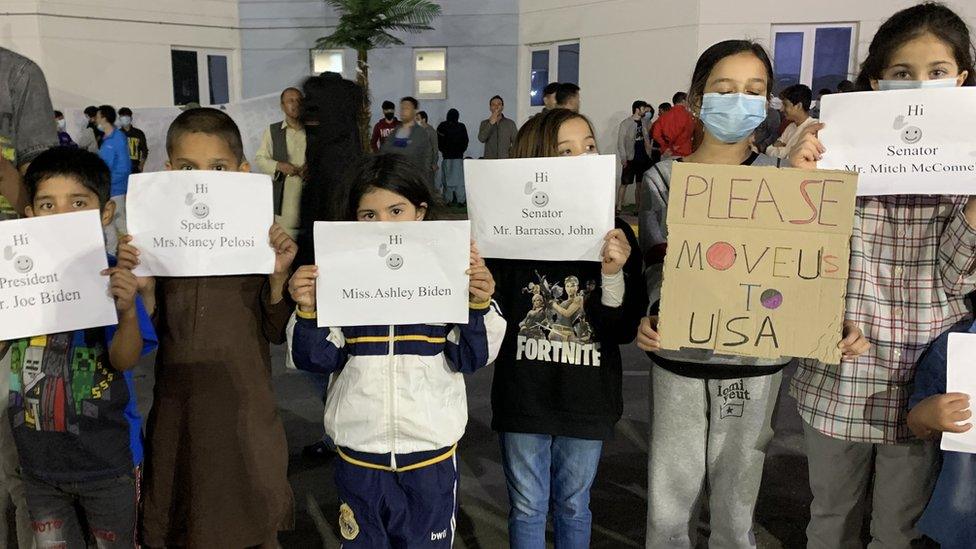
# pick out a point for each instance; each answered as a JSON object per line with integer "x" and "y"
{"x": 640, "y": 152}
{"x": 138, "y": 146}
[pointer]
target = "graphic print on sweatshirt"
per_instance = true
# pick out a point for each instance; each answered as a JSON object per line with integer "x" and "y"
{"x": 555, "y": 329}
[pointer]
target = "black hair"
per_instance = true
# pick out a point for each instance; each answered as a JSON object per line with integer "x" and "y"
{"x": 108, "y": 112}
{"x": 845, "y": 86}
{"x": 389, "y": 106}
{"x": 498, "y": 97}
{"x": 91, "y": 110}
{"x": 713, "y": 55}
{"x": 650, "y": 109}
{"x": 909, "y": 23}
{"x": 387, "y": 171}
{"x": 125, "y": 111}
{"x": 798, "y": 94}
{"x": 566, "y": 91}
{"x": 551, "y": 88}
{"x": 412, "y": 101}
{"x": 86, "y": 167}
{"x": 678, "y": 97}
{"x": 58, "y": 114}
{"x": 664, "y": 107}
{"x": 208, "y": 121}
{"x": 453, "y": 115}
{"x": 638, "y": 105}
{"x": 423, "y": 114}
{"x": 824, "y": 91}
{"x": 286, "y": 90}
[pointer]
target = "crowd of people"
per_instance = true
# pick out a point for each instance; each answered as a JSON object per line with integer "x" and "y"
{"x": 213, "y": 472}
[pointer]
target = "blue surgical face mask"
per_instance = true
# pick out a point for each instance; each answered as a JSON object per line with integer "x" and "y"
{"x": 125, "y": 120}
{"x": 62, "y": 124}
{"x": 731, "y": 117}
{"x": 885, "y": 85}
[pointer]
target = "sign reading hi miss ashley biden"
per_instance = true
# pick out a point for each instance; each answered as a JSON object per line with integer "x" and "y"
{"x": 50, "y": 275}
{"x": 379, "y": 273}
{"x": 201, "y": 223}
{"x": 551, "y": 209}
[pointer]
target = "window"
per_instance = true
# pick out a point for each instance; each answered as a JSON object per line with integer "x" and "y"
{"x": 561, "y": 56}
{"x": 819, "y": 56}
{"x": 186, "y": 84}
{"x": 326, "y": 61}
{"x": 430, "y": 74}
{"x": 201, "y": 76}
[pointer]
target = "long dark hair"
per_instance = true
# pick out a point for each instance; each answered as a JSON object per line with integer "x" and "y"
{"x": 539, "y": 137}
{"x": 387, "y": 171}
{"x": 717, "y": 52}
{"x": 909, "y": 23}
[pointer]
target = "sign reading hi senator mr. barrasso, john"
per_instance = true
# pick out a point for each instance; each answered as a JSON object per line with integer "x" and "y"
{"x": 201, "y": 223}
{"x": 50, "y": 275}
{"x": 550, "y": 209}
{"x": 757, "y": 260}
{"x": 380, "y": 273}
{"x": 903, "y": 141}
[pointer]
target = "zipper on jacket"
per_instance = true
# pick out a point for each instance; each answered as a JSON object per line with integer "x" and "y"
{"x": 393, "y": 399}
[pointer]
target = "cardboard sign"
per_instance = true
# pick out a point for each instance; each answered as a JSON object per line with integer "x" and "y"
{"x": 50, "y": 275}
{"x": 903, "y": 141}
{"x": 961, "y": 378}
{"x": 551, "y": 209}
{"x": 373, "y": 273}
{"x": 757, "y": 260}
{"x": 201, "y": 223}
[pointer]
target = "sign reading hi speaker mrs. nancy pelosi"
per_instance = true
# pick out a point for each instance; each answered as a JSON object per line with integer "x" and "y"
{"x": 201, "y": 223}
{"x": 380, "y": 273}
{"x": 50, "y": 275}
{"x": 757, "y": 260}
{"x": 903, "y": 141}
{"x": 550, "y": 209}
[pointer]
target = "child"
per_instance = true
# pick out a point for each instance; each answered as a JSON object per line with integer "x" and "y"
{"x": 217, "y": 468}
{"x": 397, "y": 408}
{"x": 912, "y": 264}
{"x": 948, "y": 517}
{"x": 553, "y": 411}
{"x": 694, "y": 439}
{"x": 72, "y": 401}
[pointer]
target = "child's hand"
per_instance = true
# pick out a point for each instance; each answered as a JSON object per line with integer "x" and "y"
{"x": 854, "y": 343}
{"x": 808, "y": 150}
{"x": 615, "y": 252}
{"x": 481, "y": 285}
{"x": 647, "y": 337}
{"x": 939, "y": 413}
{"x": 302, "y": 287}
{"x": 284, "y": 247}
{"x": 122, "y": 286}
{"x": 128, "y": 258}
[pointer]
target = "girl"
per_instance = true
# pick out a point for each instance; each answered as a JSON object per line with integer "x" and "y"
{"x": 912, "y": 264}
{"x": 397, "y": 409}
{"x": 693, "y": 438}
{"x": 553, "y": 410}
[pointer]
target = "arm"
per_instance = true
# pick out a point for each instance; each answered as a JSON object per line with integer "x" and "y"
{"x": 931, "y": 411}
{"x": 31, "y": 108}
{"x": 12, "y": 186}
{"x": 263, "y": 157}
{"x": 657, "y": 131}
{"x": 485, "y": 131}
{"x": 275, "y": 307}
{"x": 474, "y": 345}
{"x": 133, "y": 335}
{"x": 622, "y": 144}
{"x": 465, "y": 141}
{"x": 623, "y": 300}
{"x": 957, "y": 251}
{"x": 143, "y": 151}
{"x": 314, "y": 349}
{"x": 374, "y": 140}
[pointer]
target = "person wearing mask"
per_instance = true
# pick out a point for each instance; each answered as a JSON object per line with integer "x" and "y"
{"x": 64, "y": 139}
{"x": 497, "y": 132}
{"x": 549, "y": 96}
{"x": 115, "y": 152}
{"x": 796, "y": 109}
{"x": 91, "y": 140}
{"x": 386, "y": 126}
{"x": 768, "y": 131}
{"x": 632, "y": 149}
{"x": 138, "y": 145}
{"x": 282, "y": 156}
{"x": 675, "y": 129}
{"x": 410, "y": 139}
{"x": 452, "y": 140}
{"x": 568, "y": 96}
{"x": 432, "y": 137}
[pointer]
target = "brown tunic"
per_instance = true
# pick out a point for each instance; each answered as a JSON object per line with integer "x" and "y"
{"x": 217, "y": 458}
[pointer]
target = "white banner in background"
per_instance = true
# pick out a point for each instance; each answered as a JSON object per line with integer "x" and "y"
{"x": 201, "y": 223}
{"x": 50, "y": 275}
{"x": 379, "y": 273}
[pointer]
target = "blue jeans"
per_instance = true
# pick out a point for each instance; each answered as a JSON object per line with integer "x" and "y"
{"x": 544, "y": 472}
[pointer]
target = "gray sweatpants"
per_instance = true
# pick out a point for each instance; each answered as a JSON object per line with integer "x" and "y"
{"x": 904, "y": 475}
{"x": 713, "y": 431}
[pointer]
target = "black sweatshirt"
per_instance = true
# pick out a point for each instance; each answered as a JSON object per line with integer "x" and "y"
{"x": 560, "y": 374}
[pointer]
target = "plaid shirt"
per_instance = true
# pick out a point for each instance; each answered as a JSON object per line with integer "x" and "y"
{"x": 912, "y": 263}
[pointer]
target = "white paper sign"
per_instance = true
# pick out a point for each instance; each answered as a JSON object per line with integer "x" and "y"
{"x": 373, "y": 273}
{"x": 903, "y": 141}
{"x": 551, "y": 209}
{"x": 50, "y": 275}
{"x": 201, "y": 223}
{"x": 961, "y": 378}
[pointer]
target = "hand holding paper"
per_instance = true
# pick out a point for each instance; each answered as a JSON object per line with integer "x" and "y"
{"x": 940, "y": 414}
{"x": 127, "y": 257}
{"x": 284, "y": 247}
{"x": 946, "y": 412}
{"x": 482, "y": 285}
{"x": 302, "y": 287}
{"x": 808, "y": 150}
{"x": 615, "y": 252}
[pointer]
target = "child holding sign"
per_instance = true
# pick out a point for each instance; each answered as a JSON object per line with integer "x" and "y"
{"x": 72, "y": 401}
{"x": 702, "y": 399}
{"x": 397, "y": 407}
{"x": 216, "y": 472}
{"x": 913, "y": 260}
{"x": 556, "y": 394}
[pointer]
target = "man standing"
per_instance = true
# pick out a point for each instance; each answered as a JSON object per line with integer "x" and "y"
{"x": 387, "y": 125}
{"x": 497, "y": 132}
{"x": 410, "y": 139}
{"x": 432, "y": 137}
{"x": 549, "y": 96}
{"x": 282, "y": 156}
{"x": 632, "y": 150}
{"x": 138, "y": 146}
{"x": 115, "y": 152}
{"x": 452, "y": 139}
{"x": 568, "y": 96}
{"x": 675, "y": 129}
{"x": 91, "y": 137}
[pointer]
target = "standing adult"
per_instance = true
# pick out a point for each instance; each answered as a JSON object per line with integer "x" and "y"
{"x": 497, "y": 132}
{"x": 64, "y": 138}
{"x": 115, "y": 152}
{"x": 632, "y": 150}
{"x": 384, "y": 127}
{"x": 432, "y": 137}
{"x": 796, "y": 108}
{"x": 410, "y": 139}
{"x": 568, "y": 96}
{"x": 91, "y": 136}
{"x": 136, "y": 138}
{"x": 452, "y": 140}
{"x": 549, "y": 96}
{"x": 675, "y": 129}
{"x": 282, "y": 156}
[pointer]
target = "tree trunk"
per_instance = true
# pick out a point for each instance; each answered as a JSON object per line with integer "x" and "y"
{"x": 365, "y": 116}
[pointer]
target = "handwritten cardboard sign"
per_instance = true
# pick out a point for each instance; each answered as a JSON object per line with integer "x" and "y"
{"x": 50, "y": 275}
{"x": 373, "y": 273}
{"x": 757, "y": 260}
{"x": 551, "y": 209}
{"x": 961, "y": 378}
{"x": 903, "y": 141}
{"x": 201, "y": 223}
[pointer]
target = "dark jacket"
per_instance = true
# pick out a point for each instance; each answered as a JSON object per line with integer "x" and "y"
{"x": 452, "y": 136}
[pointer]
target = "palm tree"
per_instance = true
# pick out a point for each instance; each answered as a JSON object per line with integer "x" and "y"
{"x": 368, "y": 24}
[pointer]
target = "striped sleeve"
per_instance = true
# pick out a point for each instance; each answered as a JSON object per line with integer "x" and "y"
{"x": 314, "y": 349}
{"x": 474, "y": 345}
{"x": 957, "y": 255}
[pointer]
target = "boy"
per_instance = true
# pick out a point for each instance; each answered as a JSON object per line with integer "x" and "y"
{"x": 72, "y": 403}
{"x": 216, "y": 473}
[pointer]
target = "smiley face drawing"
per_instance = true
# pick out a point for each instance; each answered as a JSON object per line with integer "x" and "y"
{"x": 200, "y": 210}
{"x": 394, "y": 261}
{"x": 23, "y": 264}
{"x": 911, "y": 135}
{"x": 540, "y": 199}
